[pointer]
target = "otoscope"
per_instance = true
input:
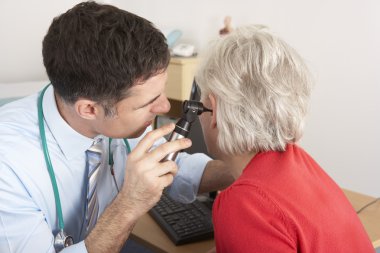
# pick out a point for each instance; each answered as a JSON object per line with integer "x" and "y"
{"x": 191, "y": 109}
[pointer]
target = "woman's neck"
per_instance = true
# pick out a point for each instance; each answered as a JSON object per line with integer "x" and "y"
{"x": 237, "y": 163}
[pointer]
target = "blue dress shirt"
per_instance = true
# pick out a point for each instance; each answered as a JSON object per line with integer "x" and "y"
{"x": 28, "y": 217}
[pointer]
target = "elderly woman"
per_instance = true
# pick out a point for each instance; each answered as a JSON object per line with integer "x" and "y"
{"x": 259, "y": 88}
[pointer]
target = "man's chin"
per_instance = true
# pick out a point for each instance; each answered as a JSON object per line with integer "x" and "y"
{"x": 138, "y": 133}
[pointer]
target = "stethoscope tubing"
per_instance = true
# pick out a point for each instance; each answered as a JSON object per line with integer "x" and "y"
{"x": 49, "y": 165}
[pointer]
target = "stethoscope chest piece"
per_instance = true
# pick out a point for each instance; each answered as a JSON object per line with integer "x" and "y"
{"x": 62, "y": 240}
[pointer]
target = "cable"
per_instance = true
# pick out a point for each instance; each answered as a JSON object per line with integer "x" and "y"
{"x": 367, "y": 205}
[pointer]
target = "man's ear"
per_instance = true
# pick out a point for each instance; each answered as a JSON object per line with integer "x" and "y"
{"x": 87, "y": 109}
{"x": 214, "y": 109}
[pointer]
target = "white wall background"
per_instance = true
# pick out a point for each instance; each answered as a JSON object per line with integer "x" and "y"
{"x": 339, "y": 39}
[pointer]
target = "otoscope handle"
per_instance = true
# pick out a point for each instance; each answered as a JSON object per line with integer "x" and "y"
{"x": 181, "y": 131}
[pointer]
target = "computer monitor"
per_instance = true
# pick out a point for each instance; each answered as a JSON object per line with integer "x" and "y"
{"x": 195, "y": 92}
{"x": 196, "y": 134}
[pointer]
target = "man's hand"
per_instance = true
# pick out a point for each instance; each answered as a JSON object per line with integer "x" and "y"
{"x": 146, "y": 176}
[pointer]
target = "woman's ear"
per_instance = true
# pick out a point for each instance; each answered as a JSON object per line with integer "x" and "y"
{"x": 212, "y": 99}
{"x": 87, "y": 109}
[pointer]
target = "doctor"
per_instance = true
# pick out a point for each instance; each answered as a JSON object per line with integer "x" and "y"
{"x": 107, "y": 69}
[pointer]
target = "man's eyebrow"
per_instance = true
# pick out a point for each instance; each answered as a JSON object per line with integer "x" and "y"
{"x": 149, "y": 102}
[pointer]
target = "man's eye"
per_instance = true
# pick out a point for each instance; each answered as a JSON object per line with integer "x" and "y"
{"x": 149, "y": 102}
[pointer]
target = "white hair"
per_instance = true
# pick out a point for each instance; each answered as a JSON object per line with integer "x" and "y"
{"x": 262, "y": 88}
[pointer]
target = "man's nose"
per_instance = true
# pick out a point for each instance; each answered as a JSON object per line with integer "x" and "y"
{"x": 162, "y": 106}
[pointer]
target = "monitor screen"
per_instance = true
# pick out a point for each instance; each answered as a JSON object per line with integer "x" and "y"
{"x": 196, "y": 134}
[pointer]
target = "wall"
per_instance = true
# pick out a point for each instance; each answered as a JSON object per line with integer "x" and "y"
{"x": 23, "y": 25}
{"x": 338, "y": 39}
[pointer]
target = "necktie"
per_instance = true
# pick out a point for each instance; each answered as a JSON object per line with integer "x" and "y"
{"x": 93, "y": 161}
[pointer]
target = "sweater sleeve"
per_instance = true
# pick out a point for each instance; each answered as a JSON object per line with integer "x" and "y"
{"x": 246, "y": 220}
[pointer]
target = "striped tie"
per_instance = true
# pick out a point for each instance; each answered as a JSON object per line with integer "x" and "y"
{"x": 93, "y": 161}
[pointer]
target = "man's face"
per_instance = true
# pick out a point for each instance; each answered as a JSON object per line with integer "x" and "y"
{"x": 137, "y": 111}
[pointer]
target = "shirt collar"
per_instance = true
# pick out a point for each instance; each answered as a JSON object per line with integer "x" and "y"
{"x": 70, "y": 141}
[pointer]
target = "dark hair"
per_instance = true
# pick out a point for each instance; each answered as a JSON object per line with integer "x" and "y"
{"x": 98, "y": 52}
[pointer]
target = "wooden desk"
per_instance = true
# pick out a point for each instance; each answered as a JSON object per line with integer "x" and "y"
{"x": 148, "y": 233}
{"x": 370, "y": 217}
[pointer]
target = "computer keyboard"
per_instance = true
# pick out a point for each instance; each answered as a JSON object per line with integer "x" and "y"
{"x": 183, "y": 223}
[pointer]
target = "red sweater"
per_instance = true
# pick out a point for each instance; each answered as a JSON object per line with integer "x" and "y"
{"x": 284, "y": 202}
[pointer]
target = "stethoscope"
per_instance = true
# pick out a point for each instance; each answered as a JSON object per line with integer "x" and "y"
{"x": 63, "y": 240}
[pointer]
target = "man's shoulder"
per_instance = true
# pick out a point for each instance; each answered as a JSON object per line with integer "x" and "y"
{"x": 19, "y": 112}
{"x": 19, "y": 133}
